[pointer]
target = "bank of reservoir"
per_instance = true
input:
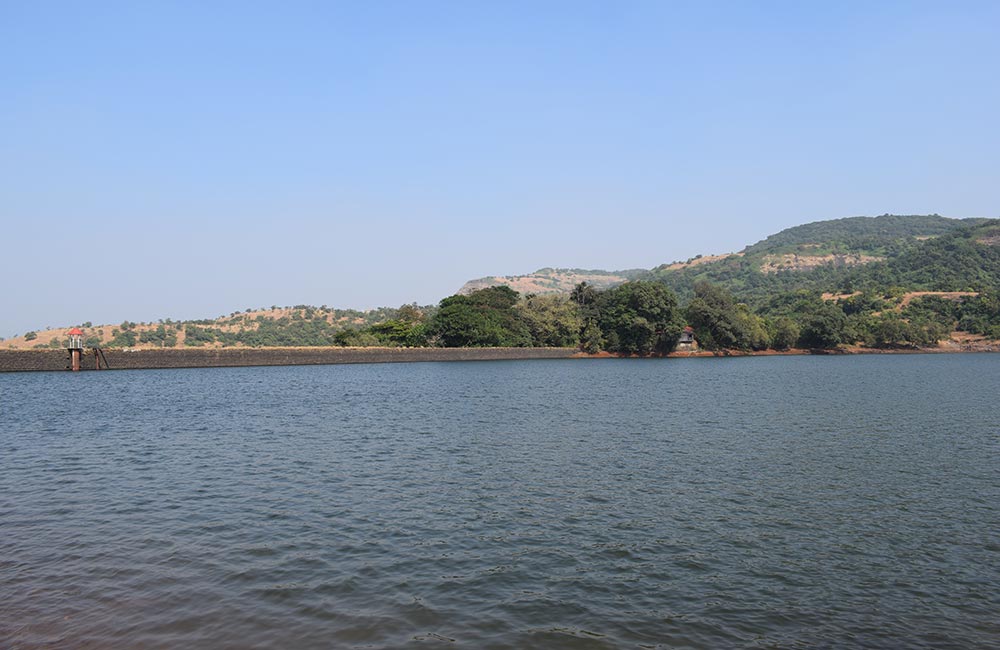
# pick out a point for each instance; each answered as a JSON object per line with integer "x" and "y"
{"x": 144, "y": 359}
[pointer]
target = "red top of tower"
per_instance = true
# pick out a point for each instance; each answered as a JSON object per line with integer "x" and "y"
{"x": 76, "y": 331}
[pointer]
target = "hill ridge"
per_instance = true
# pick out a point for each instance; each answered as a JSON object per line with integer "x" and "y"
{"x": 838, "y": 257}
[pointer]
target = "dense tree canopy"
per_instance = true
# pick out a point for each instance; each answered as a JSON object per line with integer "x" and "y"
{"x": 484, "y": 318}
{"x": 639, "y": 318}
{"x": 720, "y": 322}
{"x": 823, "y": 327}
{"x": 553, "y": 320}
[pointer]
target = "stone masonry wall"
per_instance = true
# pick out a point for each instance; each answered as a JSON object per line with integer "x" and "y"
{"x": 121, "y": 359}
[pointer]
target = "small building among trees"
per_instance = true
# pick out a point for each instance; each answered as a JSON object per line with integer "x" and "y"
{"x": 686, "y": 341}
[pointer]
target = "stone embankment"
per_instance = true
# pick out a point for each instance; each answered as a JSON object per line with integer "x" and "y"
{"x": 125, "y": 359}
{"x": 131, "y": 359}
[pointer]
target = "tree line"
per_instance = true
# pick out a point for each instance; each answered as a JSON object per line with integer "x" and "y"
{"x": 642, "y": 317}
{"x": 645, "y": 318}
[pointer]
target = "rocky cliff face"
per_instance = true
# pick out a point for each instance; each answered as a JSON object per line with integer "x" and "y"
{"x": 550, "y": 280}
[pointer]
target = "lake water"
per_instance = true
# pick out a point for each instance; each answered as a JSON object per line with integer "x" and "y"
{"x": 701, "y": 503}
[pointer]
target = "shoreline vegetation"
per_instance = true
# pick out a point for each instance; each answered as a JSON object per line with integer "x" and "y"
{"x": 855, "y": 285}
{"x": 153, "y": 359}
{"x": 637, "y": 318}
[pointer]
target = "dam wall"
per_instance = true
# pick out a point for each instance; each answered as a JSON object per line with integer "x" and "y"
{"x": 136, "y": 359}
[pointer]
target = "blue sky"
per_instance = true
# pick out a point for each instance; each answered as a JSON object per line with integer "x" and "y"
{"x": 189, "y": 159}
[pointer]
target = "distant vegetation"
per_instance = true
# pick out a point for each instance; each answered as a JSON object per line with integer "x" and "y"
{"x": 308, "y": 326}
{"x": 874, "y": 235}
{"x": 917, "y": 253}
{"x": 819, "y": 285}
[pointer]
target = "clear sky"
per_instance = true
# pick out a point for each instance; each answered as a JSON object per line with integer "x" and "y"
{"x": 189, "y": 159}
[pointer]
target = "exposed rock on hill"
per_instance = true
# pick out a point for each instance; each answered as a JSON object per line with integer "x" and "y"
{"x": 550, "y": 280}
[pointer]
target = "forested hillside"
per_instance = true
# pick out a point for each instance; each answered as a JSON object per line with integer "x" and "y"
{"x": 889, "y": 281}
{"x": 916, "y": 253}
{"x": 874, "y": 235}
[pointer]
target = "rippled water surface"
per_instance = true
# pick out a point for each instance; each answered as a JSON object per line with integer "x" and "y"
{"x": 702, "y": 503}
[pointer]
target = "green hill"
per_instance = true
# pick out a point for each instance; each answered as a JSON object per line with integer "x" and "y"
{"x": 917, "y": 252}
{"x": 872, "y": 235}
{"x": 913, "y": 252}
{"x": 884, "y": 281}
{"x": 965, "y": 259}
